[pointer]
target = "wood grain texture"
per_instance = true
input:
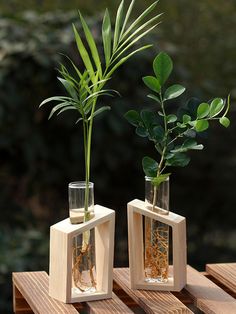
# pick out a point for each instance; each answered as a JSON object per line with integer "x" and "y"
{"x": 225, "y": 273}
{"x": 20, "y": 306}
{"x": 34, "y": 287}
{"x": 111, "y": 306}
{"x": 151, "y": 301}
{"x": 208, "y": 297}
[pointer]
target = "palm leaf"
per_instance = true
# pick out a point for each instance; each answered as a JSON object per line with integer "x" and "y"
{"x": 84, "y": 54}
{"x": 80, "y": 75}
{"x": 92, "y": 45}
{"x": 69, "y": 87}
{"x": 106, "y": 37}
{"x": 101, "y": 92}
{"x": 66, "y": 75}
{"x": 139, "y": 19}
{"x": 54, "y": 98}
{"x": 139, "y": 30}
{"x": 84, "y": 88}
{"x": 66, "y": 108}
{"x": 127, "y": 17}
{"x": 119, "y": 16}
{"x": 74, "y": 66}
{"x": 126, "y": 58}
{"x": 100, "y": 82}
{"x": 57, "y": 107}
{"x": 100, "y": 110}
{"x": 134, "y": 41}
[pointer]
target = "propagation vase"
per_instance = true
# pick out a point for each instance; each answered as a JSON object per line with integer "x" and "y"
{"x": 156, "y": 233}
{"x": 81, "y": 255}
{"x": 149, "y": 224}
{"x": 81, "y": 209}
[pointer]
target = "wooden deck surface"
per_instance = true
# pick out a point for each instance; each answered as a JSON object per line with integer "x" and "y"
{"x": 211, "y": 292}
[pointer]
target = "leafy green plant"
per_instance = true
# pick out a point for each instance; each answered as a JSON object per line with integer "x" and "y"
{"x": 173, "y": 135}
{"x": 85, "y": 87}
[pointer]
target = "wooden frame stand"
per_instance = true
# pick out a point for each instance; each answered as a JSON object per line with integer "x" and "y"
{"x": 136, "y": 211}
{"x": 60, "y": 269}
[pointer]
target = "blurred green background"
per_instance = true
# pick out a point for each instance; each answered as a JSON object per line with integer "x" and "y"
{"x": 39, "y": 158}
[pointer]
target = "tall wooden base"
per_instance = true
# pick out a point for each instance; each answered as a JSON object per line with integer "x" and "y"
{"x": 60, "y": 269}
{"x": 136, "y": 211}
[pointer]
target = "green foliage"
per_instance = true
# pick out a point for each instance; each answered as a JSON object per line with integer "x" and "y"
{"x": 174, "y": 91}
{"x": 86, "y": 87}
{"x": 162, "y": 66}
{"x": 150, "y": 166}
{"x": 173, "y": 135}
{"x": 38, "y": 158}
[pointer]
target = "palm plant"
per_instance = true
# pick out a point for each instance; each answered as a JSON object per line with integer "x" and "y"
{"x": 85, "y": 87}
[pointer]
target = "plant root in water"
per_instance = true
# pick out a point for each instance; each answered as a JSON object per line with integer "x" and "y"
{"x": 156, "y": 253}
{"x": 83, "y": 277}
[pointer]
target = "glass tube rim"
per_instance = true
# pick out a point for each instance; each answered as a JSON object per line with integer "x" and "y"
{"x": 147, "y": 178}
{"x": 80, "y": 185}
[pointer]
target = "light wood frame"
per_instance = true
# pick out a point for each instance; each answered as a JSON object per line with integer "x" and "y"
{"x": 60, "y": 266}
{"x": 136, "y": 211}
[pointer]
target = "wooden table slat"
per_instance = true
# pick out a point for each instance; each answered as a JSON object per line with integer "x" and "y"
{"x": 151, "y": 301}
{"x": 34, "y": 287}
{"x": 208, "y": 297}
{"x": 30, "y": 295}
{"x": 225, "y": 273}
{"x": 111, "y": 306}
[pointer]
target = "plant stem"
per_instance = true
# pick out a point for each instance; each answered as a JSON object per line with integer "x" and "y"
{"x": 88, "y": 137}
{"x": 159, "y": 171}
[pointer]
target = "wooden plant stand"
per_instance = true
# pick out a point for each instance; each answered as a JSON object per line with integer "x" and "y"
{"x": 211, "y": 292}
{"x": 60, "y": 267}
{"x": 176, "y": 282}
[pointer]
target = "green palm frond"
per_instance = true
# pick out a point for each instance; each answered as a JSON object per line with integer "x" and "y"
{"x": 141, "y": 17}
{"x": 85, "y": 87}
{"x": 106, "y": 37}
{"x": 92, "y": 45}
{"x": 119, "y": 18}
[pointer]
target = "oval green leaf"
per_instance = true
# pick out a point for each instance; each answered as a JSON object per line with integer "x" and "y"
{"x": 201, "y": 125}
{"x": 150, "y": 166}
{"x": 152, "y": 83}
{"x": 174, "y": 91}
{"x": 141, "y": 131}
{"x": 153, "y": 97}
{"x": 171, "y": 118}
{"x": 179, "y": 160}
{"x": 186, "y": 118}
{"x": 158, "y": 133}
{"x": 162, "y": 66}
{"x": 148, "y": 118}
{"x": 225, "y": 122}
{"x": 133, "y": 117}
{"x": 217, "y": 105}
{"x": 203, "y": 110}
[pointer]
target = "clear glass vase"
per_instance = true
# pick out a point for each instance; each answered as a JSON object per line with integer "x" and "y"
{"x": 156, "y": 233}
{"x": 79, "y": 196}
{"x": 83, "y": 250}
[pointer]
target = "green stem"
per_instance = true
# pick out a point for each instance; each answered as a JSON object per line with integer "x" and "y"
{"x": 89, "y": 128}
{"x": 85, "y": 141}
{"x": 88, "y": 139}
{"x": 159, "y": 171}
